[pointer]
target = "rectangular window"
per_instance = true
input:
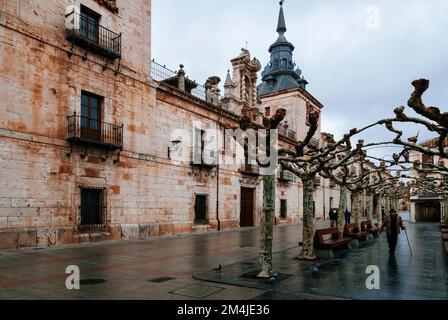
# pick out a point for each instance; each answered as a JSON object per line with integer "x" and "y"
{"x": 89, "y": 24}
{"x": 93, "y": 207}
{"x": 283, "y": 209}
{"x": 267, "y": 112}
{"x": 198, "y": 145}
{"x": 200, "y": 209}
{"x": 427, "y": 161}
{"x": 91, "y": 116}
{"x": 309, "y": 109}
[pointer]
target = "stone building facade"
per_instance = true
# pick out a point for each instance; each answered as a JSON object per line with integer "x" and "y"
{"x": 428, "y": 206}
{"x": 89, "y": 130}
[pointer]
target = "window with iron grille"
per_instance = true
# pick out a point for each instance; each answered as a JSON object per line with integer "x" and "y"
{"x": 93, "y": 208}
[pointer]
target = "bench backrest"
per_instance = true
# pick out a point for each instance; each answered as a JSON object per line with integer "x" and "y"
{"x": 349, "y": 227}
{"x": 320, "y": 233}
{"x": 366, "y": 225}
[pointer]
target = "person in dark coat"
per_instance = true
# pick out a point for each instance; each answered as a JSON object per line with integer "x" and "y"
{"x": 333, "y": 217}
{"x": 393, "y": 224}
{"x": 347, "y": 215}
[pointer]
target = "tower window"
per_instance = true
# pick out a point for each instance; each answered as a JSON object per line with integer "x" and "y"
{"x": 267, "y": 111}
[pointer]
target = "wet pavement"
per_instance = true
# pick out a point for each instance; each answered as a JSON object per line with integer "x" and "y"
{"x": 422, "y": 275}
{"x": 172, "y": 268}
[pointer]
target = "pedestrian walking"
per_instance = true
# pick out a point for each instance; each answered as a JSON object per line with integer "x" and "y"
{"x": 393, "y": 224}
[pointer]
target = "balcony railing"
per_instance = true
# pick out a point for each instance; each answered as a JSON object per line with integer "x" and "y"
{"x": 92, "y": 36}
{"x": 250, "y": 169}
{"x": 206, "y": 158}
{"x": 317, "y": 181}
{"x": 162, "y": 73}
{"x": 288, "y": 133}
{"x": 284, "y": 175}
{"x": 83, "y": 130}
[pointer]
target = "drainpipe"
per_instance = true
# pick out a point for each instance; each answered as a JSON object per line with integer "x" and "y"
{"x": 217, "y": 172}
{"x": 323, "y": 191}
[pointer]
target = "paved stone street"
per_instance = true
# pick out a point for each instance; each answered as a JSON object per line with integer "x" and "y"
{"x": 163, "y": 268}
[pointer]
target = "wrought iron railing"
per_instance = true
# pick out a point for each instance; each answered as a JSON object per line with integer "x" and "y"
{"x": 89, "y": 34}
{"x": 85, "y": 130}
{"x": 251, "y": 169}
{"x": 203, "y": 157}
{"x": 162, "y": 73}
{"x": 317, "y": 181}
{"x": 285, "y": 175}
{"x": 286, "y": 132}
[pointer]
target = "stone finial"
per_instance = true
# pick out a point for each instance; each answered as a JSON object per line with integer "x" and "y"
{"x": 181, "y": 78}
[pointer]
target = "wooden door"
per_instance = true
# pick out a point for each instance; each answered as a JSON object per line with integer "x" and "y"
{"x": 247, "y": 207}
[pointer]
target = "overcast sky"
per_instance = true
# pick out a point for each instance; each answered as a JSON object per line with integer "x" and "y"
{"x": 358, "y": 66}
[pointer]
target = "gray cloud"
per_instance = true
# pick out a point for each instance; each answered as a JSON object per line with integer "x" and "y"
{"x": 359, "y": 74}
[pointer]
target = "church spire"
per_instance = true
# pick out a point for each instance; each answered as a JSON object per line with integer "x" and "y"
{"x": 281, "y": 73}
{"x": 281, "y": 25}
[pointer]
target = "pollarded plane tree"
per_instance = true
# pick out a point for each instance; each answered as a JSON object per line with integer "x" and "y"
{"x": 263, "y": 147}
{"x": 433, "y": 120}
{"x": 306, "y": 161}
{"x": 367, "y": 179}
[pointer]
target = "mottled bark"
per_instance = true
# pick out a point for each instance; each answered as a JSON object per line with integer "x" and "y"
{"x": 342, "y": 207}
{"x": 267, "y": 226}
{"x": 387, "y": 206}
{"x": 370, "y": 208}
{"x": 356, "y": 208}
{"x": 445, "y": 210}
{"x": 307, "y": 252}
{"x": 379, "y": 210}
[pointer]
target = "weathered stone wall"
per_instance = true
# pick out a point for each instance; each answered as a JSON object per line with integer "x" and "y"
{"x": 147, "y": 194}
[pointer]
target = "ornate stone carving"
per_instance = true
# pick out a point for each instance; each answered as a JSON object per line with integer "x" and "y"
{"x": 111, "y": 5}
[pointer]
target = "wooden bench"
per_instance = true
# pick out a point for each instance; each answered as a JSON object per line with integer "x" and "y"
{"x": 367, "y": 226}
{"x": 329, "y": 239}
{"x": 352, "y": 231}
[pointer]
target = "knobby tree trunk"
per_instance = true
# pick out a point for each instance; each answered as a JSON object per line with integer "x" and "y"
{"x": 387, "y": 206}
{"x": 308, "y": 221}
{"x": 267, "y": 226}
{"x": 370, "y": 208}
{"x": 445, "y": 210}
{"x": 356, "y": 208}
{"x": 341, "y": 212}
{"x": 379, "y": 210}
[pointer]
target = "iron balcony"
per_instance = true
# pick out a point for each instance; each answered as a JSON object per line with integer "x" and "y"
{"x": 85, "y": 131}
{"x": 93, "y": 37}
